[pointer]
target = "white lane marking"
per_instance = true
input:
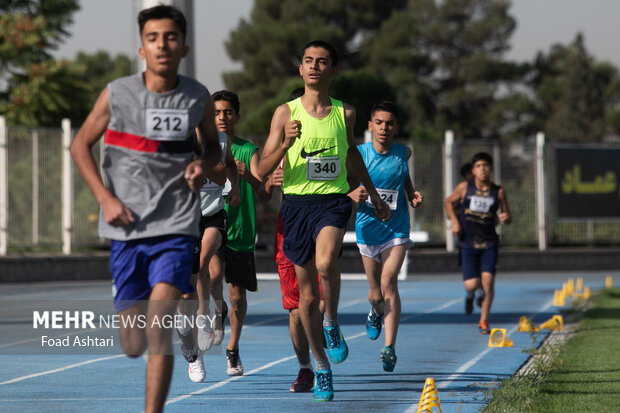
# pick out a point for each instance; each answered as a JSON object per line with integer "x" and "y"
{"x": 464, "y": 367}
{"x": 273, "y": 363}
{"x": 228, "y": 380}
{"x": 70, "y": 366}
{"x": 14, "y": 343}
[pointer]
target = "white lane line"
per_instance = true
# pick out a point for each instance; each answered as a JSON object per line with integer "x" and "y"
{"x": 70, "y": 366}
{"x": 463, "y": 368}
{"x": 228, "y": 380}
{"x": 273, "y": 363}
{"x": 30, "y": 340}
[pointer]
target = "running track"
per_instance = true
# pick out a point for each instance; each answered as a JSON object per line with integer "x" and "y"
{"x": 435, "y": 340}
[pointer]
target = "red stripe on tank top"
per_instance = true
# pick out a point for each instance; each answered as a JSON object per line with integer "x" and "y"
{"x": 129, "y": 141}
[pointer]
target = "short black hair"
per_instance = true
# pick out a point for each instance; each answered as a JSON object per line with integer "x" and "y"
{"x": 163, "y": 12}
{"x": 384, "y": 106}
{"x": 482, "y": 156}
{"x": 296, "y": 93}
{"x": 466, "y": 170}
{"x": 333, "y": 54}
{"x": 228, "y": 96}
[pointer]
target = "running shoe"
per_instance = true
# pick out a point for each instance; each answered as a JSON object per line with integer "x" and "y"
{"x": 304, "y": 381}
{"x": 218, "y": 326}
{"x": 323, "y": 387}
{"x": 235, "y": 368}
{"x": 480, "y": 299}
{"x": 388, "y": 357}
{"x": 483, "y": 326}
{"x": 469, "y": 303}
{"x": 205, "y": 336}
{"x": 336, "y": 346}
{"x": 188, "y": 346}
{"x": 196, "y": 370}
{"x": 373, "y": 324}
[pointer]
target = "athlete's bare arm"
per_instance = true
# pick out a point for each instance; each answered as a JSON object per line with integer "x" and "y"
{"x": 451, "y": 202}
{"x": 216, "y": 174}
{"x": 114, "y": 211}
{"x": 354, "y": 158}
{"x": 414, "y": 197}
{"x": 282, "y": 136}
{"x": 234, "y": 196}
{"x": 212, "y": 153}
{"x": 504, "y": 216}
{"x": 252, "y": 178}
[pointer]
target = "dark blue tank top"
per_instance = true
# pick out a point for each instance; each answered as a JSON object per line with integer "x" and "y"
{"x": 478, "y": 216}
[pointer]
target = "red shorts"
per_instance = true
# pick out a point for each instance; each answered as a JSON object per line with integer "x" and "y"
{"x": 286, "y": 272}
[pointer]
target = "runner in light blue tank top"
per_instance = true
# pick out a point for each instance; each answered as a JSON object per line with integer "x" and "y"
{"x": 388, "y": 172}
{"x": 383, "y": 244}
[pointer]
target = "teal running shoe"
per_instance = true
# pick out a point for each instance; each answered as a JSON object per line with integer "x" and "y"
{"x": 388, "y": 357}
{"x": 323, "y": 386}
{"x": 373, "y": 325}
{"x": 336, "y": 347}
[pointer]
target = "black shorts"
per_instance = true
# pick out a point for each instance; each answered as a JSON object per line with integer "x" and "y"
{"x": 304, "y": 216}
{"x": 219, "y": 220}
{"x": 239, "y": 268}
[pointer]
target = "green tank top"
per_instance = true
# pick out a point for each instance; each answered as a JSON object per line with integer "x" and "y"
{"x": 315, "y": 164}
{"x": 242, "y": 218}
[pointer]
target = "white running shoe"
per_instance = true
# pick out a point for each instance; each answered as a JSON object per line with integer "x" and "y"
{"x": 196, "y": 370}
{"x": 205, "y": 337}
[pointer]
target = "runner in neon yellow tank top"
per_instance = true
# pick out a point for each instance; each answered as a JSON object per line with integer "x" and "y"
{"x": 311, "y": 132}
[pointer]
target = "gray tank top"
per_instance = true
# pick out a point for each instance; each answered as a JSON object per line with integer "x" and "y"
{"x": 147, "y": 146}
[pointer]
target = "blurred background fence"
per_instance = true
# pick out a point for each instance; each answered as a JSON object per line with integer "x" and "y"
{"x": 33, "y": 210}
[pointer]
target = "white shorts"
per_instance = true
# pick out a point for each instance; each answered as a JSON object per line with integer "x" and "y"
{"x": 374, "y": 251}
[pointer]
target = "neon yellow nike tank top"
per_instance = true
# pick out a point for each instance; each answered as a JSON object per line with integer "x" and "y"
{"x": 315, "y": 164}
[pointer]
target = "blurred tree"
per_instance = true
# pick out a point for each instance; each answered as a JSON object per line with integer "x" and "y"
{"x": 38, "y": 88}
{"x": 268, "y": 45}
{"x": 576, "y": 96}
{"x": 446, "y": 61}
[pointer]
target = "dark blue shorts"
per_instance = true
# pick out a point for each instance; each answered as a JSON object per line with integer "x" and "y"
{"x": 475, "y": 261}
{"x": 138, "y": 265}
{"x": 304, "y": 216}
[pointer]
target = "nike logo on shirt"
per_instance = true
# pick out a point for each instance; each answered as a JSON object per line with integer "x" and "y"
{"x": 305, "y": 154}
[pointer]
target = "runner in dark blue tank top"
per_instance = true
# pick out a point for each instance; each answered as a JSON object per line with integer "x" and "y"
{"x": 479, "y": 200}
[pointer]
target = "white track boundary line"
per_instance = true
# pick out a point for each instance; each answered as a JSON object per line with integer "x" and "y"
{"x": 274, "y": 363}
{"x": 464, "y": 367}
{"x": 70, "y": 366}
{"x": 228, "y": 380}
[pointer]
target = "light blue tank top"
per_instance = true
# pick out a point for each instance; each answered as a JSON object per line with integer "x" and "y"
{"x": 387, "y": 172}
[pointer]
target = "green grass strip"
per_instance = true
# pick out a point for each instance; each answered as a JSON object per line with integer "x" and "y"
{"x": 583, "y": 375}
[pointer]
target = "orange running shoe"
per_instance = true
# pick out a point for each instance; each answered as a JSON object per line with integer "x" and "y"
{"x": 483, "y": 326}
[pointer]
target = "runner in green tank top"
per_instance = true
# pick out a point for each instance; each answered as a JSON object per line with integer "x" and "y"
{"x": 315, "y": 209}
{"x": 236, "y": 258}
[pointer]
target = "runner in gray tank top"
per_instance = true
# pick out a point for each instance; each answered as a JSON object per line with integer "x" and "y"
{"x": 149, "y": 205}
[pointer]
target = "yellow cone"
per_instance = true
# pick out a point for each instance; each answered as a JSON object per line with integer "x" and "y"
{"x": 579, "y": 284}
{"x": 587, "y": 293}
{"x": 526, "y": 325}
{"x": 555, "y": 323}
{"x": 559, "y": 300}
{"x": 570, "y": 286}
{"x": 609, "y": 281}
{"x": 498, "y": 338}
{"x": 430, "y": 398}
